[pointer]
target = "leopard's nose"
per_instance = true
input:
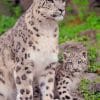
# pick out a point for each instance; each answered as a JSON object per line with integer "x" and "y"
{"x": 61, "y": 10}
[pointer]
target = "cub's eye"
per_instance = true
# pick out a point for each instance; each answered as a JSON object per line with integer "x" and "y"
{"x": 51, "y": 1}
{"x": 79, "y": 62}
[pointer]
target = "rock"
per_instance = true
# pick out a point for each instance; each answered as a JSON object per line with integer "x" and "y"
{"x": 98, "y": 71}
{"x": 94, "y": 87}
{"x": 94, "y": 3}
{"x": 91, "y": 34}
{"x": 91, "y": 76}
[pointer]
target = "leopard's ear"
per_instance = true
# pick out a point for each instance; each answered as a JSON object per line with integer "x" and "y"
{"x": 84, "y": 56}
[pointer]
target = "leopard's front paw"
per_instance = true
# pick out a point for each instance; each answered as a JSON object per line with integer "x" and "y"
{"x": 24, "y": 97}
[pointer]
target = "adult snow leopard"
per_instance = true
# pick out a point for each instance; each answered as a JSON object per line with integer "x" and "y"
{"x": 30, "y": 49}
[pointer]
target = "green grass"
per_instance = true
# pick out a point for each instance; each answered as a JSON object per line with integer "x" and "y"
{"x": 71, "y": 32}
{"x": 15, "y": 10}
{"x": 84, "y": 88}
{"x": 7, "y": 22}
{"x": 98, "y": 37}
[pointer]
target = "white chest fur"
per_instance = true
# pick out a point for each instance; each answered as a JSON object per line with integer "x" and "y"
{"x": 47, "y": 44}
{"x": 48, "y": 51}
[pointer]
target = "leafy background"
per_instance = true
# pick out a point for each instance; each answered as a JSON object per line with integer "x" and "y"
{"x": 71, "y": 29}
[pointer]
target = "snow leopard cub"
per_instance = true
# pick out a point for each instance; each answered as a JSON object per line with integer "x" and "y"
{"x": 70, "y": 71}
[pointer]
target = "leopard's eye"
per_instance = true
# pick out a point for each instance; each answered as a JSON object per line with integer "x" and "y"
{"x": 51, "y": 1}
{"x": 79, "y": 61}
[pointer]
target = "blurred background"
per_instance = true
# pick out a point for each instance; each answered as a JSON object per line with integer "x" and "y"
{"x": 81, "y": 24}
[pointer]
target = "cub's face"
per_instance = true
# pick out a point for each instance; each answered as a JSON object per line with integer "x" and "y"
{"x": 76, "y": 61}
{"x": 53, "y": 9}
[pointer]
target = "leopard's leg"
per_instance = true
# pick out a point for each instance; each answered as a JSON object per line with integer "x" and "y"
{"x": 23, "y": 79}
{"x": 46, "y": 82}
{"x": 63, "y": 88}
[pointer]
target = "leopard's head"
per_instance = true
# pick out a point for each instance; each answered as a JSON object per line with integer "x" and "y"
{"x": 50, "y": 9}
{"x": 75, "y": 58}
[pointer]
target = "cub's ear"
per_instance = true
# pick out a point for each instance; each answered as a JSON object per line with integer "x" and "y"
{"x": 84, "y": 54}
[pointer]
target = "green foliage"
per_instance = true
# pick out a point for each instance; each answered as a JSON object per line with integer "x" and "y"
{"x": 98, "y": 37}
{"x": 82, "y": 7}
{"x": 93, "y": 22}
{"x": 84, "y": 88}
{"x": 82, "y": 4}
{"x": 5, "y": 23}
{"x": 68, "y": 32}
{"x": 92, "y": 55}
{"x": 88, "y": 21}
{"x": 15, "y": 10}
{"x": 8, "y": 21}
{"x": 94, "y": 67}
